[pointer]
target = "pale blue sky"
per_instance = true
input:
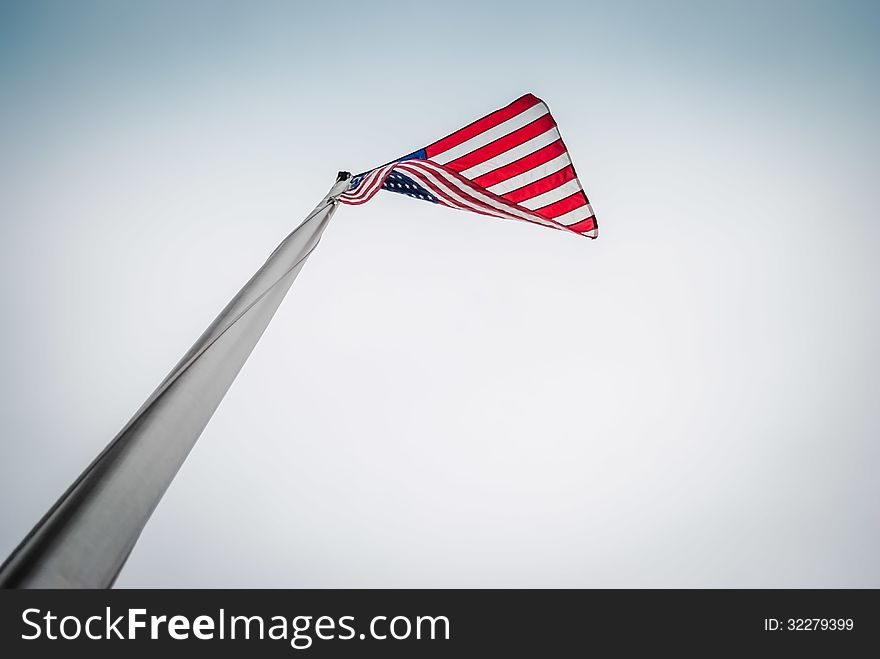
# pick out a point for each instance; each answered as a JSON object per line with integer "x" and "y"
{"x": 446, "y": 400}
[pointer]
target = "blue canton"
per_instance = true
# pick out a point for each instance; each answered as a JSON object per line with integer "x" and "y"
{"x": 400, "y": 183}
{"x": 397, "y": 182}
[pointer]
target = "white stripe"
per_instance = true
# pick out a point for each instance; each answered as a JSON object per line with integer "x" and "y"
{"x": 510, "y": 155}
{"x": 482, "y": 139}
{"x": 564, "y": 190}
{"x": 447, "y": 180}
{"x": 362, "y": 190}
{"x": 506, "y": 207}
{"x": 539, "y": 172}
{"x": 502, "y": 204}
{"x": 423, "y": 177}
{"x": 423, "y": 172}
{"x": 369, "y": 186}
{"x": 575, "y": 216}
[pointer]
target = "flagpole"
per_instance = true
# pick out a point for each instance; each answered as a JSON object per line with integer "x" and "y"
{"x": 86, "y": 537}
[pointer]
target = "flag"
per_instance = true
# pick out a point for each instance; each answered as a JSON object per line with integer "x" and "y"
{"x": 510, "y": 164}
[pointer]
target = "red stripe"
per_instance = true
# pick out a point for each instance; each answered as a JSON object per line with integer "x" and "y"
{"x": 446, "y": 199}
{"x": 563, "y": 206}
{"x": 471, "y": 189}
{"x": 502, "y": 144}
{"x": 424, "y": 180}
{"x": 371, "y": 184}
{"x": 584, "y": 225}
{"x": 542, "y": 185}
{"x": 412, "y": 167}
{"x": 524, "y": 164}
{"x": 480, "y": 125}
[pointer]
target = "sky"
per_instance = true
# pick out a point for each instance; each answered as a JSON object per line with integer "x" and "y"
{"x": 445, "y": 399}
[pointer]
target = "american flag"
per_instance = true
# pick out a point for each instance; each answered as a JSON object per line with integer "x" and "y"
{"x": 510, "y": 164}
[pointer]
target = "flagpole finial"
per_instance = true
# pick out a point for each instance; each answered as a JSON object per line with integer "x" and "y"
{"x": 341, "y": 185}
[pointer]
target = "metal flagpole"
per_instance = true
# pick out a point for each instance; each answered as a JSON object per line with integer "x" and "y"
{"x": 86, "y": 537}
